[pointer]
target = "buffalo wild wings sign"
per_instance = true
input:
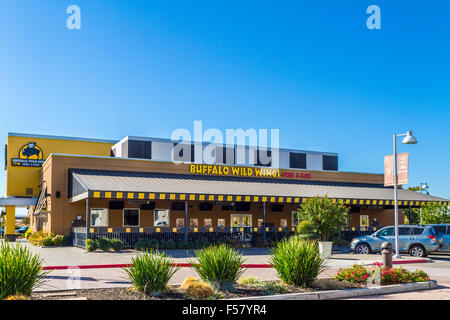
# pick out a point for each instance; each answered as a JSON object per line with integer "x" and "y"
{"x": 30, "y": 155}
{"x": 219, "y": 170}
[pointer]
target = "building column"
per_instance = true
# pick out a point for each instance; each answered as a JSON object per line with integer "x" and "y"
{"x": 186, "y": 232}
{"x": 87, "y": 219}
{"x": 264, "y": 221}
{"x": 10, "y": 223}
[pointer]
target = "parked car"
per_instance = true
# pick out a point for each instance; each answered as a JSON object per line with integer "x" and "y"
{"x": 416, "y": 240}
{"x": 22, "y": 230}
{"x": 443, "y": 232}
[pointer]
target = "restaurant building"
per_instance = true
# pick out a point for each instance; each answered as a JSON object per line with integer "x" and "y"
{"x": 154, "y": 188}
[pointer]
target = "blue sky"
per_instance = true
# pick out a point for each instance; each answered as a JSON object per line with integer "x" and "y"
{"x": 309, "y": 68}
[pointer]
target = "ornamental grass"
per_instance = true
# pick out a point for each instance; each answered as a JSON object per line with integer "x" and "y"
{"x": 150, "y": 272}
{"x": 219, "y": 265}
{"x": 297, "y": 261}
{"x": 20, "y": 270}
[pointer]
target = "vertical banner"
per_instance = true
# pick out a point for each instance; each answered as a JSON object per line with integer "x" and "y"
{"x": 402, "y": 169}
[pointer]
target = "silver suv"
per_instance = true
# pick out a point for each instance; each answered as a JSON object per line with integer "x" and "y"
{"x": 443, "y": 233}
{"x": 416, "y": 240}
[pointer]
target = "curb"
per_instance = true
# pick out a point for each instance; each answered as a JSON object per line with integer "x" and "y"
{"x": 349, "y": 293}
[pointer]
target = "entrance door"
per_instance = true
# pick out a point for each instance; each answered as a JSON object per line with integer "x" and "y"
{"x": 241, "y": 224}
{"x": 241, "y": 220}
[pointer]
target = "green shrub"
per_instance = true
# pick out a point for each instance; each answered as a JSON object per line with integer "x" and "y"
{"x": 47, "y": 242}
{"x": 183, "y": 244}
{"x": 219, "y": 265}
{"x": 163, "y": 244}
{"x": 141, "y": 245}
{"x": 298, "y": 262}
{"x": 37, "y": 238}
{"x": 377, "y": 273}
{"x": 91, "y": 245}
{"x": 59, "y": 240}
{"x": 104, "y": 244}
{"x": 153, "y": 244}
{"x": 272, "y": 287}
{"x": 251, "y": 281}
{"x": 151, "y": 272}
{"x": 355, "y": 274}
{"x": 116, "y": 244}
{"x": 20, "y": 270}
{"x": 170, "y": 244}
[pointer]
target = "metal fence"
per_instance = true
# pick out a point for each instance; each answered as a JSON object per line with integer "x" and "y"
{"x": 130, "y": 236}
{"x": 251, "y": 235}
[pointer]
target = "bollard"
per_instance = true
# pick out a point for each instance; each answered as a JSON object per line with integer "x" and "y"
{"x": 386, "y": 251}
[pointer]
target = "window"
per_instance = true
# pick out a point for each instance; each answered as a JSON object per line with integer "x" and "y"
{"x": 99, "y": 217}
{"x": 243, "y": 206}
{"x": 276, "y": 207}
{"x": 440, "y": 229}
{"x": 161, "y": 218}
{"x": 330, "y": 163}
{"x": 228, "y": 207}
{"x": 207, "y": 223}
{"x": 116, "y": 205}
{"x": 402, "y": 231}
{"x": 131, "y": 217}
{"x": 260, "y": 223}
{"x": 386, "y": 232}
{"x": 180, "y": 223}
{"x": 264, "y": 158}
{"x": 294, "y": 218}
{"x": 178, "y": 206}
{"x": 206, "y": 206}
{"x": 364, "y": 221}
{"x": 183, "y": 152}
{"x": 417, "y": 231}
{"x": 194, "y": 223}
{"x": 221, "y": 223}
{"x": 297, "y": 160}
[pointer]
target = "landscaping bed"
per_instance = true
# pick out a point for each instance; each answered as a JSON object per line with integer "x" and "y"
{"x": 263, "y": 288}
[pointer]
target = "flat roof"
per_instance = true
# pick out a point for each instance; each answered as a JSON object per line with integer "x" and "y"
{"x": 41, "y": 136}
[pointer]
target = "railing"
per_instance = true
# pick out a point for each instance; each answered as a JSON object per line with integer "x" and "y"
{"x": 130, "y": 236}
{"x": 253, "y": 235}
{"x": 348, "y": 233}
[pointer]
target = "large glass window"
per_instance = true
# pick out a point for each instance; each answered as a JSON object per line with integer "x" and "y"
{"x": 99, "y": 217}
{"x": 162, "y": 218}
{"x": 131, "y": 217}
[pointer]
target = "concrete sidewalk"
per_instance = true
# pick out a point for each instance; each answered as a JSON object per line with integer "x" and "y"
{"x": 74, "y": 256}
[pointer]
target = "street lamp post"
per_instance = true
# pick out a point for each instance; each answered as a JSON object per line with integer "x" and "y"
{"x": 409, "y": 139}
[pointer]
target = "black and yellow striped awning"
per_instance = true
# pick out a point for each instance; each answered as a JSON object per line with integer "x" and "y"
{"x": 122, "y": 195}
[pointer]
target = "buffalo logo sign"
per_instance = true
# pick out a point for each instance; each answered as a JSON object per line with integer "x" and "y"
{"x": 30, "y": 155}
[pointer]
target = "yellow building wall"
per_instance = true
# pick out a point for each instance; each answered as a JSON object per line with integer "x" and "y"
{"x": 19, "y": 179}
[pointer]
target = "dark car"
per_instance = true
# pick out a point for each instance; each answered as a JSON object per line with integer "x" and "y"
{"x": 22, "y": 230}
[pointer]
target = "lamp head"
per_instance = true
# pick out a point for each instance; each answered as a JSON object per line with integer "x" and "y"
{"x": 409, "y": 139}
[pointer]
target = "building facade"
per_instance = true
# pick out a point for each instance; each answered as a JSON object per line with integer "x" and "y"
{"x": 157, "y": 187}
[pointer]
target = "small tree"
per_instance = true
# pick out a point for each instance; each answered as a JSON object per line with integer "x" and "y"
{"x": 325, "y": 215}
{"x": 434, "y": 212}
